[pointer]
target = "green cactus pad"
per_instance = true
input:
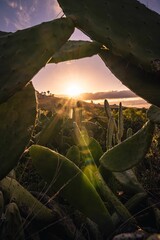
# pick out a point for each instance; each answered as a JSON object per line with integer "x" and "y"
{"x": 91, "y": 171}
{"x": 13, "y": 226}
{"x": 131, "y": 33}
{"x": 73, "y": 154}
{"x": 66, "y": 178}
{"x": 130, "y": 152}
{"x": 153, "y": 114}
{"x": 35, "y": 210}
{"x": 128, "y": 181}
{"x": 95, "y": 149}
{"x": 25, "y": 52}
{"x": 17, "y": 117}
{"x": 75, "y": 50}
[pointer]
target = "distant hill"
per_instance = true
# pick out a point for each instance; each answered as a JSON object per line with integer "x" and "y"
{"x": 111, "y": 94}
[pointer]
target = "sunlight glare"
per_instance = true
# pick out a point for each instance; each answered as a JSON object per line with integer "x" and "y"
{"x": 73, "y": 90}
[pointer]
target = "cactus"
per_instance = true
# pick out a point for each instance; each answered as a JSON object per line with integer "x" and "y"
{"x": 4, "y": 33}
{"x": 92, "y": 172}
{"x": 128, "y": 181}
{"x": 75, "y": 50}
{"x": 114, "y": 132}
{"x": 110, "y": 133}
{"x": 118, "y": 25}
{"x": 129, "y": 132}
{"x": 95, "y": 149}
{"x": 109, "y": 114}
{"x": 12, "y": 227}
{"x": 111, "y": 128}
{"x": 153, "y": 114}
{"x": 65, "y": 177}
{"x": 78, "y": 114}
{"x": 120, "y": 123}
{"x": 131, "y": 205}
{"x": 1, "y": 204}
{"x": 73, "y": 154}
{"x": 144, "y": 84}
{"x": 17, "y": 117}
{"x": 130, "y": 152}
{"x": 25, "y": 52}
{"x": 35, "y": 210}
{"x": 50, "y": 131}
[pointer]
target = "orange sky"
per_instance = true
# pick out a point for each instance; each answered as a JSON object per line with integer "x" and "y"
{"x": 90, "y": 74}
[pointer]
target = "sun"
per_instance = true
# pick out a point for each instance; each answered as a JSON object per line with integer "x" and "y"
{"x": 73, "y": 90}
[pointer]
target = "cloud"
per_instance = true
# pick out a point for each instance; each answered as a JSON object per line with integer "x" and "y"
{"x": 23, "y": 19}
{"x": 24, "y": 14}
{"x": 7, "y": 21}
{"x": 12, "y": 4}
{"x": 53, "y": 7}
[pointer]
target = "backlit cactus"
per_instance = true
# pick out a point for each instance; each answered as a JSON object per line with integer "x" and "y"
{"x": 73, "y": 154}
{"x": 50, "y": 131}
{"x": 129, "y": 132}
{"x": 75, "y": 50}
{"x": 92, "y": 172}
{"x": 25, "y": 52}
{"x": 67, "y": 179}
{"x": 153, "y": 114}
{"x": 134, "y": 57}
{"x": 130, "y": 152}
{"x": 17, "y": 118}
{"x": 120, "y": 122}
{"x": 131, "y": 33}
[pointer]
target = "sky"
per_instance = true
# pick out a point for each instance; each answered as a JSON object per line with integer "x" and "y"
{"x": 86, "y": 75}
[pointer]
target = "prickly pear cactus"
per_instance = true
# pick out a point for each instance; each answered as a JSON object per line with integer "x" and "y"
{"x": 153, "y": 114}
{"x": 17, "y": 117}
{"x": 25, "y": 52}
{"x": 75, "y": 50}
{"x": 13, "y": 225}
{"x": 130, "y": 152}
{"x": 14, "y": 192}
{"x": 73, "y": 154}
{"x": 131, "y": 33}
{"x": 143, "y": 83}
{"x": 66, "y": 178}
{"x": 50, "y": 131}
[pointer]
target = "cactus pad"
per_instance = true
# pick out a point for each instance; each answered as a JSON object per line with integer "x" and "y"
{"x": 66, "y": 178}
{"x": 153, "y": 114}
{"x": 14, "y": 191}
{"x": 25, "y": 52}
{"x": 130, "y": 152}
{"x": 17, "y": 117}
{"x": 131, "y": 33}
{"x": 75, "y": 50}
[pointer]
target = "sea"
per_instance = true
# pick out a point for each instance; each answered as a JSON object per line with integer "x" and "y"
{"x": 135, "y": 102}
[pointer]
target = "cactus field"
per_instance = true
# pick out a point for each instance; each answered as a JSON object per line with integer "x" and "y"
{"x": 74, "y": 170}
